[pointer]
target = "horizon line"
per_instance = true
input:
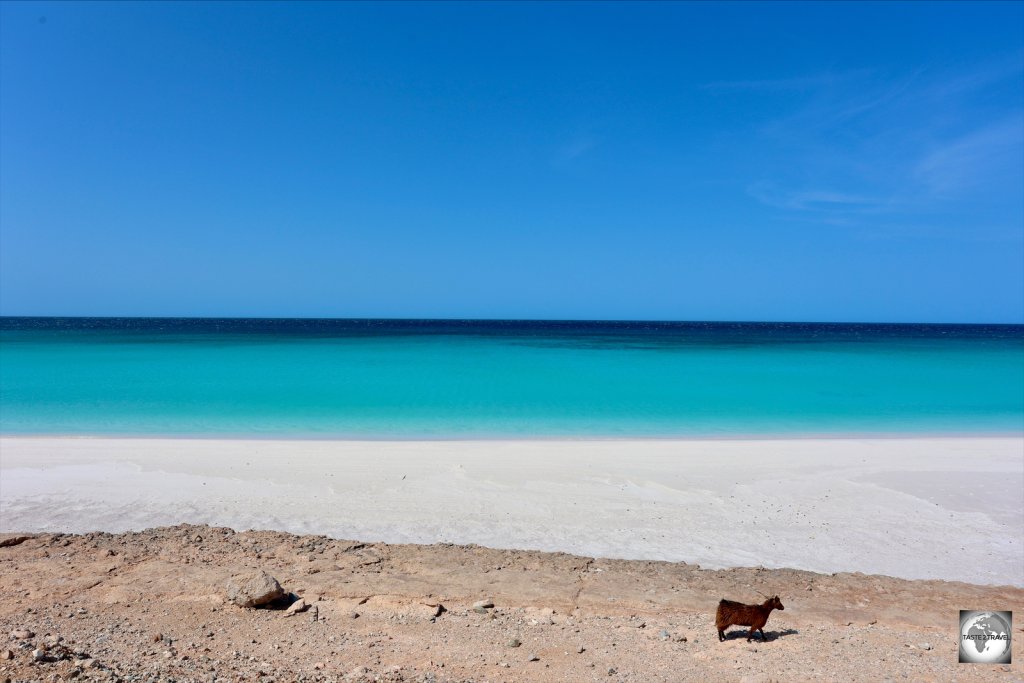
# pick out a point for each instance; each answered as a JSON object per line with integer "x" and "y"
{"x": 508, "y": 320}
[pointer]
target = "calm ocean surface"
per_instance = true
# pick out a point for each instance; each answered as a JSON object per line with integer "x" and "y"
{"x": 409, "y": 379}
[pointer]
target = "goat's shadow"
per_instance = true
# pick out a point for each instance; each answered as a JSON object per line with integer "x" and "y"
{"x": 769, "y": 635}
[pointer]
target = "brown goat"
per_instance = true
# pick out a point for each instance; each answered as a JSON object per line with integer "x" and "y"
{"x": 737, "y": 614}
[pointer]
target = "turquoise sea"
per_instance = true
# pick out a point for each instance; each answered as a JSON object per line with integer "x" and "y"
{"x": 468, "y": 379}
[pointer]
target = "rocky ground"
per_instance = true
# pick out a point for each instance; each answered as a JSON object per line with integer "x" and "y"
{"x": 160, "y": 605}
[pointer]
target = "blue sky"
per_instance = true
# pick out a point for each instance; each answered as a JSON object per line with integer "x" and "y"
{"x": 641, "y": 161}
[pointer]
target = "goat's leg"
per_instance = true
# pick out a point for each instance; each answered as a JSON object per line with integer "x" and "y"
{"x": 750, "y": 633}
{"x": 763, "y": 639}
{"x": 721, "y": 635}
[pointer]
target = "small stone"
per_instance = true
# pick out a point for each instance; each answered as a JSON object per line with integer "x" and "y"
{"x": 612, "y": 671}
{"x": 515, "y": 642}
{"x": 168, "y": 654}
{"x": 7, "y": 654}
{"x": 436, "y": 610}
{"x": 38, "y": 655}
{"x": 353, "y": 614}
{"x": 580, "y": 650}
{"x": 22, "y": 634}
{"x": 254, "y": 589}
{"x": 925, "y": 646}
{"x": 296, "y": 607}
{"x": 664, "y": 635}
{"x": 533, "y": 658}
{"x": 483, "y": 604}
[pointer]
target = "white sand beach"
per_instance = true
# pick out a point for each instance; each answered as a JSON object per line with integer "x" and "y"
{"x": 917, "y": 508}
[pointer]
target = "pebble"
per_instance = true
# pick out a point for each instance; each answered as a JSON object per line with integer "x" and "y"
{"x": 296, "y": 607}
{"x": 22, "y": 634}
{"x": 515, "y": 642}
{"x": 483, "y": 604}
{"x": 580, "y": 650}
{"x": 7, "y": 654}
{"x": 533, "y": 658}
{"x": 664, "y": 635}
{"x": 38, "y": 655}
{"x": 925, "y": 646}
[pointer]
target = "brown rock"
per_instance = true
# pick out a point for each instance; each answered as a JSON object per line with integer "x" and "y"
{"x": 22, "y": 634}
{"x": 253, "y": 589}
{"x": 299, "y": 605}
{"x": 11, "y": 541}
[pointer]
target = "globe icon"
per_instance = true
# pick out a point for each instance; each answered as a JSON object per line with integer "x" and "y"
{"x": 985, "y": 638}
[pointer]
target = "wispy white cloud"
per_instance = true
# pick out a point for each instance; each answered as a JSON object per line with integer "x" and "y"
{"x": 809, "y": 200}
{"x": 955, "y": 166}
{"x": 573, "y": 150}
{"x": 783, "y": 84}
{"x": 879, "y": 145}
{"x": 996, "y": 71}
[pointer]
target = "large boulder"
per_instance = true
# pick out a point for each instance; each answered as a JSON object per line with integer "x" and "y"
{"x": 254, "y": 589}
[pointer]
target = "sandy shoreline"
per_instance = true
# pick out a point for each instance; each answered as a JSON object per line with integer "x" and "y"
{"x": 911, "y": 507}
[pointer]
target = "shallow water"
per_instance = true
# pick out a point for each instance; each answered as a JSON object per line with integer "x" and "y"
{"x": 415, "y": 379}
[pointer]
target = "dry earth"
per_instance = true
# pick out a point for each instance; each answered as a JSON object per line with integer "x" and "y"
{"x": 151, "y": 606}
